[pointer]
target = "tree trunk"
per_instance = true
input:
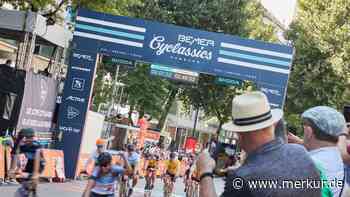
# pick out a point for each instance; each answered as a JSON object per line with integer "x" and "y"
{"x": 170, "y": 99}
{"x": 219, "y": 128}
{"x": 141, "y": 112}
{"x": 130, "y": 114}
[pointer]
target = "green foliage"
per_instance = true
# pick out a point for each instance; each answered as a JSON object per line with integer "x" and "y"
{"x": 145, "y": 93}
{"x": 52, "y": 7}
{"x": 320, "y": 74}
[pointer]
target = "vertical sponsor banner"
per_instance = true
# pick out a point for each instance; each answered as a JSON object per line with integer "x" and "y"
{"x": 38, "y": 103}
{"x": 75, "y": 103}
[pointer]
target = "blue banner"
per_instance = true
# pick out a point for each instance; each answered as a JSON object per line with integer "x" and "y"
{"x": 186, "y": 48}
{"x": 75, "y": 102}
{"x": 266, "y": 64}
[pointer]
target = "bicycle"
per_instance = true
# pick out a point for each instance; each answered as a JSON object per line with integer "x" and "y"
{"x": 124, "y": 187}
{"x": 149, "y": 183}
{"x": 192, "y": 189}
{"x": 168, "y": 185}
{"x": 28, "y": 187}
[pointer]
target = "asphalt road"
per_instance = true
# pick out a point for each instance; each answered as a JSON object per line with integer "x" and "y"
{"x": 75, "y": 189}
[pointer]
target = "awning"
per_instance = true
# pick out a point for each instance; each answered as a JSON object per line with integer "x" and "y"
{"x": 14, "y": 25}
{"x": 187, "y": 123}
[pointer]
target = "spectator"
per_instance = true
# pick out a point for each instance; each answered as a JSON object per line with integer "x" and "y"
{"x": 323, "y": 127}
{"x": 344, "y": 144}
{"x": 7, "y": 63}
{"x": 268, "y": 158}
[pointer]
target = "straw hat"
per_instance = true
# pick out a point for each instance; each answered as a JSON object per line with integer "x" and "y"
{"x": 251, "y": 112}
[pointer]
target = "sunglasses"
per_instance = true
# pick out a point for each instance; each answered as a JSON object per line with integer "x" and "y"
{"x": 105, "y": 165}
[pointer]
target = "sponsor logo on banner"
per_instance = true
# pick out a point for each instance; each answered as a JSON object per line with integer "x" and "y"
{"x": 185, "y": 47}
{"x": 84, "y": 57}
{"x": 78, "y": 84}
{"x": 75, "y": 99}
{"x": 69, "y": 129}
{"x": 80, "y": 68}
{"x": 37, "y": 111}
{"x": 43, "y": 93}
{"x": 72, "y": 112}
{"x": 271, "y": 91}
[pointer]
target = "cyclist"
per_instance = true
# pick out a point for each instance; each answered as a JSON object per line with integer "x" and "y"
{"x": 193, "y": 189}
{"x": 172, "y": 170}
{"x": 133, "y": 159}
{"x": 35, "y": 163}
{"x": 190, "y": 162}
{"x": 100, "y": 148}
{"x": 152, "y": 166}
{"x": 103, "y": 180}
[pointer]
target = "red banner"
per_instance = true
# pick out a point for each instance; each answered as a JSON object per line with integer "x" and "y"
{"x": 190, "y": 145}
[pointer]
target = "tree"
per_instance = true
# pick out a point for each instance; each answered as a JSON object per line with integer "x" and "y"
{"x": 320, "y": 73}
{"x": 242, "y": 18}
{"x": 52, "y": 8}
{"x": 144, "y": 92}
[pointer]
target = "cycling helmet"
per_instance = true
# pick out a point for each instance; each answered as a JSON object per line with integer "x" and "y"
{"x": 131, "y": 147}
{"x": 104, "y": 158}
{"x": 100, "y": 142}
{"x": 28, "y": 132}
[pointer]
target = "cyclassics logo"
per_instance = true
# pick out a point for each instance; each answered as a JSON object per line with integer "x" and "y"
{"x": 158, "y": 43}
{"x": 84, "y": 57}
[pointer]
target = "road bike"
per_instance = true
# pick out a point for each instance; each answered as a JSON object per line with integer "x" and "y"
{"x": 168, "y": 185}
{"x": 124, "y": 187}
{"x": 192, "y": 188}
{"x": 151, "y": 173}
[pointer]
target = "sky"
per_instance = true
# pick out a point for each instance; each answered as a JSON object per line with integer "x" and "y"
{"x": 283, "y": 10}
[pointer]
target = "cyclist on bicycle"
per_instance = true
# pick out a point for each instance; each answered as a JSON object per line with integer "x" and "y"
{"x": 29, "y": 176}
{"x": 190, "y": 162}
{"x": 133, "y": 159}
{"x": 152, "y": 166}
{"x": 102, "y": 182}
{"x": 172, "y": 170}
{"x": 100, "y": 148}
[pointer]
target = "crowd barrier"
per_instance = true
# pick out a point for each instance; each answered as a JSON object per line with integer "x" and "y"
{"x": 2, "y": 162}
{"x": 4, "y": 152}
{"x": 54, "y": 168}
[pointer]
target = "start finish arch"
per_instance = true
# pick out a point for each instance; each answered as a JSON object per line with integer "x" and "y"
{"x": 267, "y": 65}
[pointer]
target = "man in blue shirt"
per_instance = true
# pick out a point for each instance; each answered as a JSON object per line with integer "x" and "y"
{"x": 270, "y": 163}
{"x": 102, "y": 182}
{"x": 133, "y": 159}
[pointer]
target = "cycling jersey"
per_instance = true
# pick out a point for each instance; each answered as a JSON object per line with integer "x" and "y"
{"x": 152, "y": 163}
{"x": 106, "y": 184}
{"x": 133, "y": 159}
{"x": 173, "y": 166}
{"x": 29, "y": 150}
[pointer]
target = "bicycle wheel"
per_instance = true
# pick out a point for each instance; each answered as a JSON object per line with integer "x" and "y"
{"x": 166, "y": 188}
{"x": 123, "y": 189}
{"x": 189, "y": 190}
{"x": 196, "y": 190}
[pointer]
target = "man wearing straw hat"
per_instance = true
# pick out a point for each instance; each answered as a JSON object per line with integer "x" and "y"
{"x": 272, "y": 168}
